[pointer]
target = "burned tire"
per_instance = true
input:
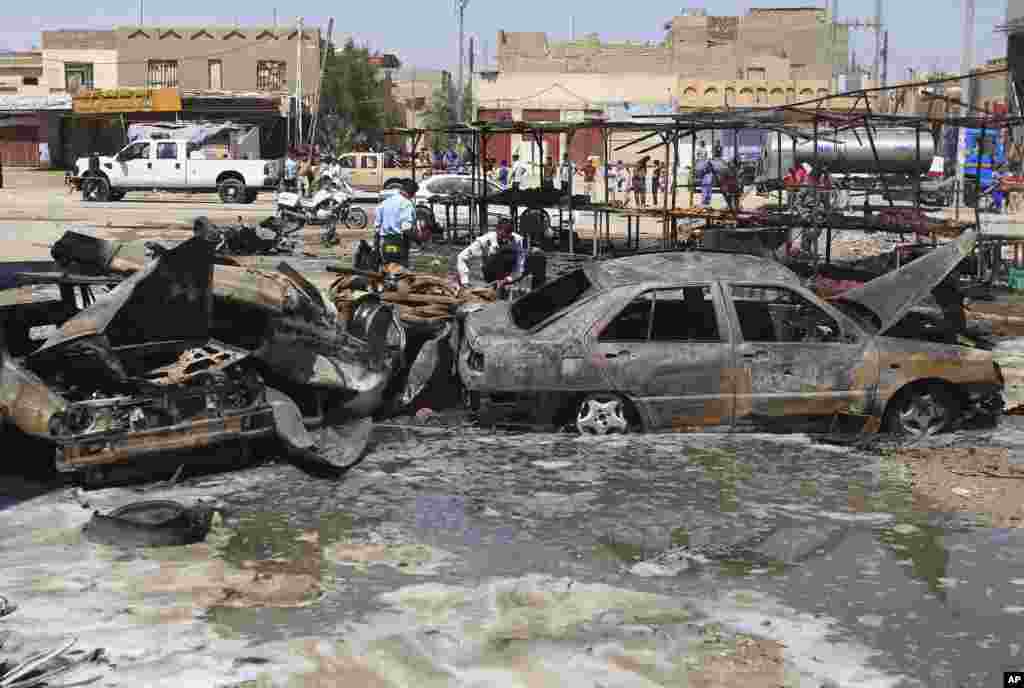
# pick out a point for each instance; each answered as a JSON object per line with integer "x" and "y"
{"x": 95, "y": 190}
{"x": 231, "y": 191}
{"x": 155, "y": 523}
{"x": 603, "y": 414}
{"x": 921, "y": 411}
{"x": 357, "y": 218}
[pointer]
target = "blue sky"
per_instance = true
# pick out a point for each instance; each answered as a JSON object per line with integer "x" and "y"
{"x": 923, "y": 34}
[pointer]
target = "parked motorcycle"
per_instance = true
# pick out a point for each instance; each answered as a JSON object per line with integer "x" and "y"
{"x": 329, "y": 206}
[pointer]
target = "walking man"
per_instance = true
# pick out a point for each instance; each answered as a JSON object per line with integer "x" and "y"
{"x": 566, "y": 171}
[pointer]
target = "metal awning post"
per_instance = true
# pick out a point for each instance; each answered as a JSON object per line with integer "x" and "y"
{"x": 693, "y": 165}
{"x": 482, "y": 135}
{"x": 779, "y": 165}
{"x": 917, "y": 177}
{"x": 675, "y": 184}
{"x": 417, "y": 136}
{"x": 569, "y": 135}
{"x": 667, "y": 231}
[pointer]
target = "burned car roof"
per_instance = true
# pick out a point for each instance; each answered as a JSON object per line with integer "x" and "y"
{"x": 699, "y": 266}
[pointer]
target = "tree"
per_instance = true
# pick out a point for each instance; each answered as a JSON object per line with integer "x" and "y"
{"x": 468, "y": 104}
{"x": 439, "y": 115}
{"x": 353, "y": 100}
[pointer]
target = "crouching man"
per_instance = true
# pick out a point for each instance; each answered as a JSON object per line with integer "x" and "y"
{"x": 502, "y": 254}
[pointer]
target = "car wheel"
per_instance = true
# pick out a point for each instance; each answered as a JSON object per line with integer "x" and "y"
{"x": 357, "y": 218}
{"x": 921, "y": 411}
{"x": 95, "y": 189}
{"x": 231, "y": 191}
{"x": 602, "y": 414}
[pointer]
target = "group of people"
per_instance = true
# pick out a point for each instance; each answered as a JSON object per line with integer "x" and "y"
{"x": 623, "y": 180}
{"x": 502, "y": 252}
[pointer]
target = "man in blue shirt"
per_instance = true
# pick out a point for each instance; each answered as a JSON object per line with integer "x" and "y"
{"x": 291, "y": 171}
{"x": 503, "y": 174}
{"x": 396, "y": 220}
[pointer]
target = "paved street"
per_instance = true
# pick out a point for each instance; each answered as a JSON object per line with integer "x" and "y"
{"x": 466, "y": 557}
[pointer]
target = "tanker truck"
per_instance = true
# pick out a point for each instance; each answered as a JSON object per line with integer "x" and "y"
{"x": 903, "y": 156}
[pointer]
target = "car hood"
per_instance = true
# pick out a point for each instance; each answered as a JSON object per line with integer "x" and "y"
{"x": 491, "y": 320}
{"x": 893, "y": 294}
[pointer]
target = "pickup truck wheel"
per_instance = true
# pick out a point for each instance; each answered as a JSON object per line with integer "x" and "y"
{"x": 231, "y": 191}
{"x": 95, "y": 189}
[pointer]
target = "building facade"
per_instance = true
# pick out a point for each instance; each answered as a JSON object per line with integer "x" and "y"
{"x": 247, "y": 59}
{"x": 75, "y": 60}
{"x": 21, "y": 73}
{"x": 765, "y": 58}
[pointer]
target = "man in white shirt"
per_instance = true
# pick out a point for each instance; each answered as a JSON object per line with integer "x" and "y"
{"x": 502, "y": 252}
{"x": 566, "y": 172}
{"x": 520, "y": 170}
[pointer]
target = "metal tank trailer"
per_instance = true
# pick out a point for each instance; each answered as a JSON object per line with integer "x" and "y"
{"x": 903, "y": 155}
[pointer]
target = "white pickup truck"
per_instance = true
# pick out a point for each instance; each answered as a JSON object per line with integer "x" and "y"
{"x": 173, "y": 165}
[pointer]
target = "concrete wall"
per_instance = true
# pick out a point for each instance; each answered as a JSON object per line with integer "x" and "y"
{"x": 238, "y": 49}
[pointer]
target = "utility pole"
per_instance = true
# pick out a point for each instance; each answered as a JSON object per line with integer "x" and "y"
{"x": 140, "y": 11}
{"x": 298, "y": 83}
{"x": 460, "y": 7}
{"x": 319, "y": 84}
{"x": 877, "y": 72}
{"x": 966, "y": 65}
{"x": 472, "y": 64}
{"x": 885, "y": 58}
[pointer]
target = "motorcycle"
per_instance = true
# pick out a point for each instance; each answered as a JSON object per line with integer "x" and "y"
{"x": 272, "y": 236}
{"x": 329, "y": 206}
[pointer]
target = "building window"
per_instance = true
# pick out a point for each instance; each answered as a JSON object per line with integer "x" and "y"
{"x": 270, "y": 76}
{"x": 77, "y": 75}
{"x": 216, "y": 84}
{"x": 162, "y": 74}
{"x": 30, "y": 81}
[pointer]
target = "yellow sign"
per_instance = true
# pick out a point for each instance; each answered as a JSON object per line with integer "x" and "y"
{"x": 127, "y": 100}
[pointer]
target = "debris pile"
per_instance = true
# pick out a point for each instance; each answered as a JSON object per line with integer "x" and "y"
{"x": 41, "y": 668}
{"x": 417, "y": 297}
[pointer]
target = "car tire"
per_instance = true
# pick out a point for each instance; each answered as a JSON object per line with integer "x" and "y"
{"x": 602, "y": 414}
{"x": 95, "y": 190}
{"x": 357, "y": 218}
{"x": 921, "y": 411}
{"x": 231, "y": 191}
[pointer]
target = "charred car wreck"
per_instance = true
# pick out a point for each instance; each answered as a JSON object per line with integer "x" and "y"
{"x": 183, "y": 354}
{"x": 702, "y": 340}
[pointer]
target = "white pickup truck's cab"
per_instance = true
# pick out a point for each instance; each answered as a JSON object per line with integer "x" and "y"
{"x": 173, "y": 165}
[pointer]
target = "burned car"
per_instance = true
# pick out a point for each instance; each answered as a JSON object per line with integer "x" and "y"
{"x": 705, "y": 340}
{"x": 181, "y": 356}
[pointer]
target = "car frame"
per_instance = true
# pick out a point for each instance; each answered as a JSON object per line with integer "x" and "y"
{"x": 559, "y": 365}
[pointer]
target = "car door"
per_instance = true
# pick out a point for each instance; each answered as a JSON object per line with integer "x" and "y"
{"x": 799, "y": 362}
{"x": 168, "y": 167}
{"x": 136, "y": 164}
{"x": 348, "y": 165}
{"x": 368, "y": 176}
{"x": 669, "y": 352}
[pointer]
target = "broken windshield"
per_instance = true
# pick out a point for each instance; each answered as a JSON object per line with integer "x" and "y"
{"x": 542, "y": 303}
